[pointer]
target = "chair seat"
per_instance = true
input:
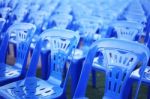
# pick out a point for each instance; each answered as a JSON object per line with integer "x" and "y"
{"x": 106, "y": 97}
{"x": 8, "y": 72}
{"x": 30, "y": 88}
{"x": 111, "y": 97}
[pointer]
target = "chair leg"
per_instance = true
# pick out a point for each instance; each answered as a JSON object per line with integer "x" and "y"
{"x": 94, "y": 78}
{"x": 128, "y": 90}
{"x": 15, "y": 50}
{"x": 148, "y": 93}
{"x": 8, "y": 50}
{"x": 45, "y": 66}
{"x": 76, "y": 68}
{"x": 130, "y": 93}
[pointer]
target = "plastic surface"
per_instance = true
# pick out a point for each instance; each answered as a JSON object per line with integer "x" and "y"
{"x": 38, "y": 18}
{"x": 127, "y": 30}
{"x": 120, "y": 59}
{"x": 12, "y": 73}
{"x": 19, "y": 14}
{"x": 20, "y": 32}
{"x": 56, "y": 19}
{"x": 5, "y": 11}
{"x": 63, "y": 45}
{"x": 2, "y": 22}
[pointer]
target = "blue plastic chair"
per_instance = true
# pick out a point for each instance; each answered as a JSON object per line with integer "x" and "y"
{"x": 2, "y": 22}
{"x": 120, "y": 59}
{"x": 79, "y": 10}
{"x": 11, "y": 73}
{"x": 145, "y": 79}
{"x": 61, "y": 43}
{"x": 5, "y": 13}
{"x": 13, "y": 3}
{"x": 44, "y": 54}
{"x": 125, "y": 30}
{"x": 21, "y": 29}
{"x": 137, "y": 18}
{"x": 57, "y": 22}
{"x": 64, "y": 8}
{"x": 38, "y": 18}
{"x": 128, "y": 30}
{"x": 88, "y": 29}
{"x": 5, "y": 3}
{"x": 19, "y": 14}
{"x": 135, "y": 12}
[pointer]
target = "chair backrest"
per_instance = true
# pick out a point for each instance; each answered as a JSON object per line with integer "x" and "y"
{"x": 3, "y": 48}
{"x": 22, "y": 52}
{"x": 21, "y": 31}
{"x": 37, "y": 18}
{"x": 4, "y": 12}
{"x": 79, "y": 9}
{"x": 89, "y": 24}
{"x": 63, "y": 8}
{"x": 127, "y": 30}
{"x": 137, "y": 18}
{"x": 19, "y": 14}
{"x": 120, "y": 58}
{"x": 61, "y": 43}
{"x": 120, "y": 65}
{"x": 62, "y": 24}
{"x": 88, "y": 27}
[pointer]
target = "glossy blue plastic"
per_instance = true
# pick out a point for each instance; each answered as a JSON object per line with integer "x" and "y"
{"x": 57, "y": 22}
{"x": 2, "y": 22}
{"x": 44, "y": 55}
{"x": 5, "y": 12}
{"x": 80, "y": 10}
{"x": 135, "y": 12}
{"x": 38, "y": 18}
{"x": 5, "y": 2}
{"x": 137, "y": 18}
{"x": 88, "y": 27}
{"x": 61, "y": 43}
{"x": 19, "y": 14}
{"x": 11, "y": 73}
{"x": 13, "y": 3}
{"x": 64, "y": 8}
{"x": 136, "y": 7}
{"x": 20, "y": 31}
{"x": 120, "y": 59}
{"x": 127, "y": 30}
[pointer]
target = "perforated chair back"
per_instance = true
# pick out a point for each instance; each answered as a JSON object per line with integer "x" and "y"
{"x": 59, "y": 23}
{"x": 61, "y": 43}
{"x": 5, "y": 12}
{"x": 120, "y": 59}
{"x": 89, "y": 24}
{"x": 21, "y": 31}
{"x": 127, "y": 30}
{"x": 17, "y": 71}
